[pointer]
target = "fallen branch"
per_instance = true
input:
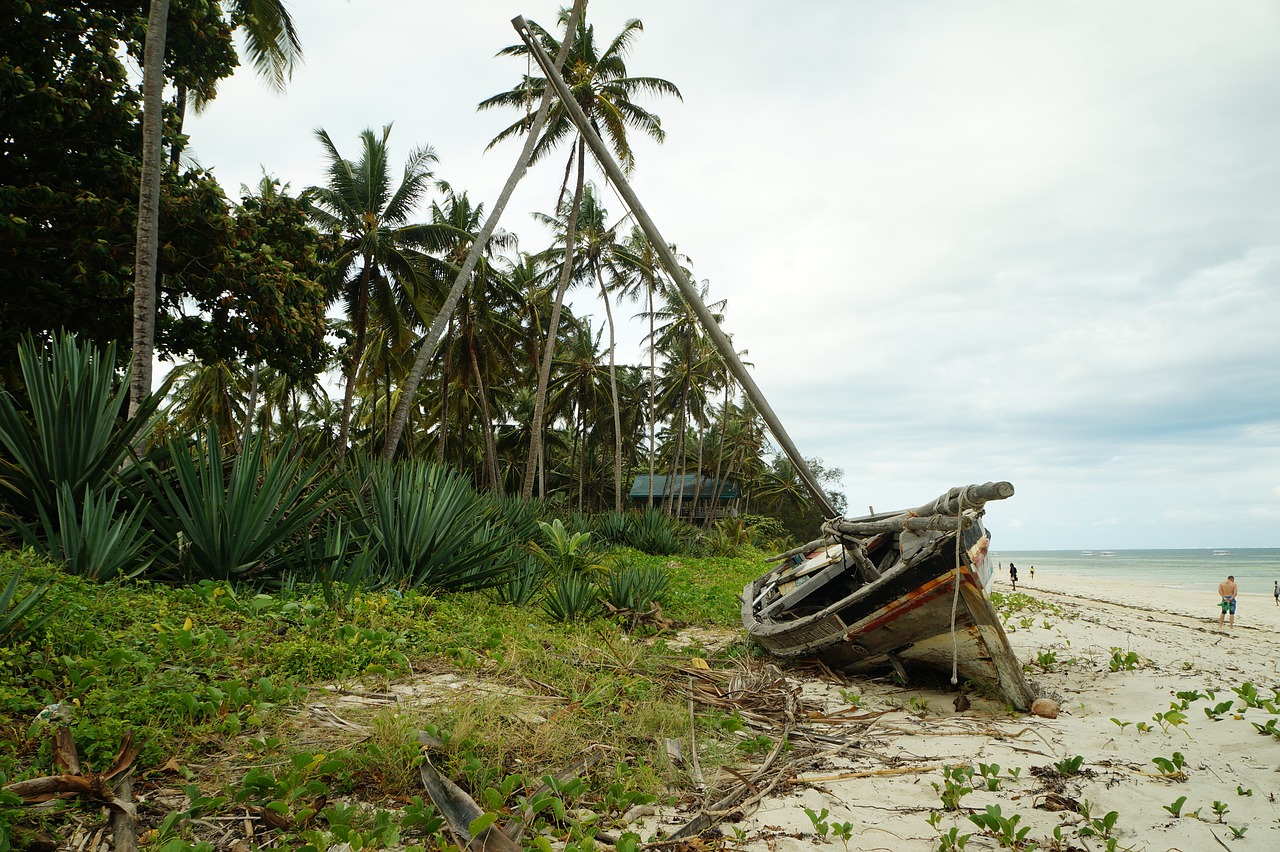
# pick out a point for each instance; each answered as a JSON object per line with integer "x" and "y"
{"x": 78, "y": 780}
{"x": 868, "y": 773}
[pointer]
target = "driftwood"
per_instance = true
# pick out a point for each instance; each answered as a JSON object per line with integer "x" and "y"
{"x": 124, "y": 832}
{"x": 111, "y": 788}
{"x": 75, "y": 780}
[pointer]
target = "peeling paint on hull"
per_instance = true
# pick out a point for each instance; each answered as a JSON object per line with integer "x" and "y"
{"x": 908, "y": 612}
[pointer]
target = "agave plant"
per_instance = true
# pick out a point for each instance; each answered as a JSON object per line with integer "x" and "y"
{"x": 527, "y": 578}
{"x": 227, "y": 522}
{"x": 572, "y": 597}
{"x": 429, "y": 529}
{"x": 519, "y": 515}
{"x": 92, "y": 538}
{"x": 338, "y": 562}
{"x": 612, "y": 527}
{"x": 13, "y": 629}
{"x": 72, "y": 431}
{"x": 635, "y": 589}
{"x": 653, "y": 532}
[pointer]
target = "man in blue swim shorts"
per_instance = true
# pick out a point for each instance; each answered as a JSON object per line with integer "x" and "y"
{"x": 1228, "y": 590}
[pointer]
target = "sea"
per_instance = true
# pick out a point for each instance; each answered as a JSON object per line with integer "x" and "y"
{"x": 1255, "y": 568}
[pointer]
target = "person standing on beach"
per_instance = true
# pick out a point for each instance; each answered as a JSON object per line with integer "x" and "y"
{"x": 1277, "y": 592}
{"x": 1228, "y": 590}
{"x": 1013, "y": 575}
{"x": 1033, "y": 572}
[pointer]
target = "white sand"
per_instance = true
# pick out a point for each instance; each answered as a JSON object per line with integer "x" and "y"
{"x": 1174, "y": 633}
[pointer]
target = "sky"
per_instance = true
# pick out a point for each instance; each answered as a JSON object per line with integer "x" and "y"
{"x": 960, "y": 242}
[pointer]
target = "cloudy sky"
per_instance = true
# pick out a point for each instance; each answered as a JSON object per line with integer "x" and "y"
{"x": 961, "y": 242}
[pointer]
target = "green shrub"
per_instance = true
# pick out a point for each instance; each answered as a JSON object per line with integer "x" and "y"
{"x": 572, "y": 597}
{"x": 566, "y": 553}
{"x": 634, "y": 588}
{"x": 231, "y": 521}
{"x": 430, "y": 530}
{"x": 653, "y": 532}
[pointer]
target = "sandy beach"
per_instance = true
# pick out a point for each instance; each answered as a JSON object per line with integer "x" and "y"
{"x": 1134, "y": 667}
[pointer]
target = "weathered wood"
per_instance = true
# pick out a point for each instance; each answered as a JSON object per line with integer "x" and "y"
{"x": 825, "y": 541}
{"x": 124, "y": 832}
{"x": 897, "y": 523}
{"x": 966, "y": 497}
{"x": 65, "y": 755}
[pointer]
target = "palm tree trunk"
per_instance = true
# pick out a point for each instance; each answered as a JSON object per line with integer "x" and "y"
{"x": 724, "y": 423}
{"x": 250, "y": 406}
{"x": 444, "y": 416}
{"x": 432, "y": 339}
{"x": 175, "y": 150}
{"x": 653, "y": 396}
{"x": 613, "y": 393}
{"x": 681, "y": 456}
{"x": 536, "y": 454}
{"x": 148, "y": 239}
{"x": 697, "y": 470}
{"x": 486, "y": 424}
{"x": 583, "y": 448}
{"x": 357, "y": 353}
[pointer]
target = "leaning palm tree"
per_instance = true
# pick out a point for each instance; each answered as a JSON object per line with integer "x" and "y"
{"x": 381, "y": 262}
{"x": 273, "y": 49}
{"x": 485, "y": 324}
{"x": 601, "y": 86}
{"x": 599, "y": 254}
{"x": 427, "y": 347}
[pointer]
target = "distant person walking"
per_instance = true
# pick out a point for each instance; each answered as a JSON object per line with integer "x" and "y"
{"x": 1033, "y": 572}
{"x": 1277, "y": 592}
{"x": 1228, "y": 590}
{"x": 1013, "y": 575}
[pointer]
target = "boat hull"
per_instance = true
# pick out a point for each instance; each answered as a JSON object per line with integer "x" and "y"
{"x": 931, "y": 610}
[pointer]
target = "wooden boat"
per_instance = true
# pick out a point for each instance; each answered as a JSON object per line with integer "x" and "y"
{"x": 893, "y": 589}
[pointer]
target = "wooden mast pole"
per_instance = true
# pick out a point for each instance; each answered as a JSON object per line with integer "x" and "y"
{"x": 672, "y": 266}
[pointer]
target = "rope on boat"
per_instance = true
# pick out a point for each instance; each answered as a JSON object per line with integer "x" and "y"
{"x": 962, "y": 500}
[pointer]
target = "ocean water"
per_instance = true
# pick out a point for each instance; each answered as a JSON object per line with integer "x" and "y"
{"x": 1255, "y": 568}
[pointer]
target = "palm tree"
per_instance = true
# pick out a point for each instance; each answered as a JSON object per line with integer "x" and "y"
{"x": 603, "y": 89}
{"x": 427, "y": 347}
{"x": 578, "y": 392}
{"x": 689, "y": 372}
{"x": 599, "y": 253}
{"x": 211, "y": 394}
{"x": 274, "y": 50}
{"x": 485, "y": 323}
{"x": 642, "y": 272}
{"x": 381, "y": 262}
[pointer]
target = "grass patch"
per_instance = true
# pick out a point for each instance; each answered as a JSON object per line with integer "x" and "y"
{"x": 212, "y": 678}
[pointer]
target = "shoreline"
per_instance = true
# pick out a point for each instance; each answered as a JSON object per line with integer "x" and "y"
{"x": 1254, "y": 609}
